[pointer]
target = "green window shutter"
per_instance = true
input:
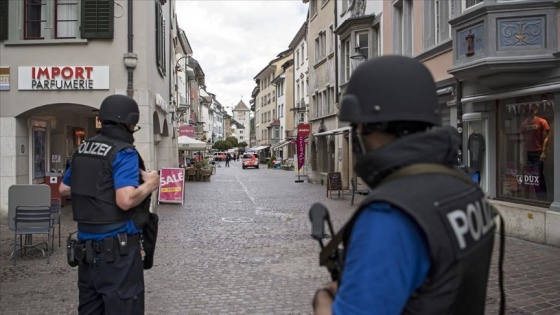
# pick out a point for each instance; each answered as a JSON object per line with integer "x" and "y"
{"x": 4, "y": 19}
{"x": 97, "y": 19}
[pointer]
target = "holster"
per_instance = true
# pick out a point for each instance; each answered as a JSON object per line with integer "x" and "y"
{"x": 71, "y": 245}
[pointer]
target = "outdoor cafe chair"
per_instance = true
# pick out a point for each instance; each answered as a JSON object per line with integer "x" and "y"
{"x": 191, "y": 173}
{"x": 30, "y": 220}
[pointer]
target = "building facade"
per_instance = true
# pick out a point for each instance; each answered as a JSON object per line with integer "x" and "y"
{"x": 51, "y": 96}
{"x": 505, "y": 59}
{"x": 284, "y": 148}
{"x": 323, "y": 99}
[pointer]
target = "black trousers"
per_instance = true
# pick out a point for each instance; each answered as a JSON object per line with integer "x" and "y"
{"x": 112, "y": 288}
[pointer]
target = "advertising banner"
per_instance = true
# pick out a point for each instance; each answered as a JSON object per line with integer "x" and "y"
{"x": 186, "y": 131}
{"x": 303, "y": 132}
{"x": 171, "y": 185}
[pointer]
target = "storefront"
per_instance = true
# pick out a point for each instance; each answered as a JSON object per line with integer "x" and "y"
{"x": 509, "y": 139}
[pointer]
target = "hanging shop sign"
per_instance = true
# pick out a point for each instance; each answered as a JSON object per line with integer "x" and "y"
{"x": 186, "y": 131}
{"x": 56, "y": 78}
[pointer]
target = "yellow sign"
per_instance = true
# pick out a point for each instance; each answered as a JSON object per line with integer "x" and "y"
{"x": 171, "y": 189}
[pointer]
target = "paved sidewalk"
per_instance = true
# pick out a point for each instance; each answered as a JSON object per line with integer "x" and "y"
{"x": 240, "y": 245}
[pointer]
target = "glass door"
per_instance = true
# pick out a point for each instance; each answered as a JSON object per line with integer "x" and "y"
{"x": 476, "y": 142}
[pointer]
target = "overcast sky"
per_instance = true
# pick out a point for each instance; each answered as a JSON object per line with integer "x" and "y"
{"x": 234, "y": 40}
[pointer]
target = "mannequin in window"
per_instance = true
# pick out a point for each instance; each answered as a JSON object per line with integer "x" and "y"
{"x": 476, "y": 146}
{"x": 534, "y": 131}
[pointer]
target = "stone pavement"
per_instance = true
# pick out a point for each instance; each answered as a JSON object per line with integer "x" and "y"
{"x": 240, "y": 245}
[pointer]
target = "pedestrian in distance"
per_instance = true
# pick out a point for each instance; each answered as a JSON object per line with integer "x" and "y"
{"x": 412, "y": 246}
{"x": 228, "y": 158}
{"x": 110, "y": 191}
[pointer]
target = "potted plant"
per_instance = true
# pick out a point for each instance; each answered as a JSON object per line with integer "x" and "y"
{"x": 271, "y": 161}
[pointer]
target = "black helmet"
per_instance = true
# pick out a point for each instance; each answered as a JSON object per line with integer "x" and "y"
{"x": 120, "y": 109}
{"x": 390, "y": 89}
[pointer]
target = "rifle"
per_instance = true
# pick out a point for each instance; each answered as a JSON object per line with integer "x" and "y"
{"x": 331, "y": 255}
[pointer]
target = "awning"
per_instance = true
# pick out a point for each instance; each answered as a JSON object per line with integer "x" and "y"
{"x": 259, "y": 148}
{"x": 280, "y": 144}
{"x": 190, "y": 144}
{"x": 334, "y": 131}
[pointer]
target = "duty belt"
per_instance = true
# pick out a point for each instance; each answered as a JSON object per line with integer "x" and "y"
{"x": 86, "y": 251}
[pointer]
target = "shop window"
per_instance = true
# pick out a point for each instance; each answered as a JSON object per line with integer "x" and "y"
{"x": 525, "y": 149}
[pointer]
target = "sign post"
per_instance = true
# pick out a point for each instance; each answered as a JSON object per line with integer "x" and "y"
{"x": 334, "y": 182}
{"x": 171, "y": 185}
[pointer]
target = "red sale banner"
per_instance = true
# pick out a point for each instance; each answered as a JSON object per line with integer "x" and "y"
{"x": 171, "y": 185}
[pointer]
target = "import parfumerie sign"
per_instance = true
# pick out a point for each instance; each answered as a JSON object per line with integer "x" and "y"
{"x": 56, "y": 78}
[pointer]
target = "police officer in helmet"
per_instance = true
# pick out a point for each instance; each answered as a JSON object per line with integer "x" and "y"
{"x": 421, "y": 242}
{"x": 110, "y": 191}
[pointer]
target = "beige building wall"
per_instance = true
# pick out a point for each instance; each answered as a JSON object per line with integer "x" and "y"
{"x": 439, "y": 65}
{"x": 387, "y": 30}
{"x": 289, "y": 97}
{"x": 263, "y": 115}
{"x": 20, "y": 109}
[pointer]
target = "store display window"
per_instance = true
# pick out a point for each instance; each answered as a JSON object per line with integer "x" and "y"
{"x": 525, "y": 148}
{"x": 39, "y": 148}
{"x": 74, "y": 137}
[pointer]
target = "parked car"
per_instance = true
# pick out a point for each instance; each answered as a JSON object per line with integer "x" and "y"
{"x": 219, "y": 156}
{"x": 249, "y": 160}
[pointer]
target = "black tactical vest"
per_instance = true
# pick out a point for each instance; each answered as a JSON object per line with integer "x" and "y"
{"x": 458, "y": 224}
{"x": 93, "y": 193}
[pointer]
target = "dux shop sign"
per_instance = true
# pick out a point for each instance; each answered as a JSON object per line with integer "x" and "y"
{"x": 44, "y": 78}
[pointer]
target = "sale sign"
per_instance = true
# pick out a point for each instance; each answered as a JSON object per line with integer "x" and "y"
{"x": 171, "y": 185}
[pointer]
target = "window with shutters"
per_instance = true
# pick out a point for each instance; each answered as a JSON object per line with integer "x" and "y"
{"x": 64, "y": 20}
{"x": 97, "y": 19}
{"x": 160, "y": 39}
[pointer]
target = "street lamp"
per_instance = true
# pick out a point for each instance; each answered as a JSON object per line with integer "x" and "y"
{"x": 357, "y": 57}
{"x": 178, "y": 67}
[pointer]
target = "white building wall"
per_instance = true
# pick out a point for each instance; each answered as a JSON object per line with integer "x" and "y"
{"x": 60, "y": 109}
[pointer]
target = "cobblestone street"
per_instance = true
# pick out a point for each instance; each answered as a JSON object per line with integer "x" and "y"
{"x": 240, "y": 245}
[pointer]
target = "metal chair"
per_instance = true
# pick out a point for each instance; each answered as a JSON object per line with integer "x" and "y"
{"x": 56, "y": 208}
{"x": 31, "y": 220}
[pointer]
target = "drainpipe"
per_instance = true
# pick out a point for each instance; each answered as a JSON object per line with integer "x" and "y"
{"x": 336, "y": 98}
{"x": 171, "y": 54}
{"x": 130, "y": 58}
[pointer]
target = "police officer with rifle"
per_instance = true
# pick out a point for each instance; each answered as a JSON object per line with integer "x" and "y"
{"x": 421, "y": 242}
{"x": 110, "y": 191}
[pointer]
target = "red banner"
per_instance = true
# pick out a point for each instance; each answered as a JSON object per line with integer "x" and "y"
{"x": 186, "y": 131}
{"x": 303, "y": 132}
{"x": 171, "y": 183}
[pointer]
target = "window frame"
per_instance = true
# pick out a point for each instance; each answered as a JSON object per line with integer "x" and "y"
{"x": 57, "y": 20}
{"x": 464, "y": 6}
{"x": 160, "y": 39}
{"x": 44, "y": 8}
{"x": 346, "y": 47}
